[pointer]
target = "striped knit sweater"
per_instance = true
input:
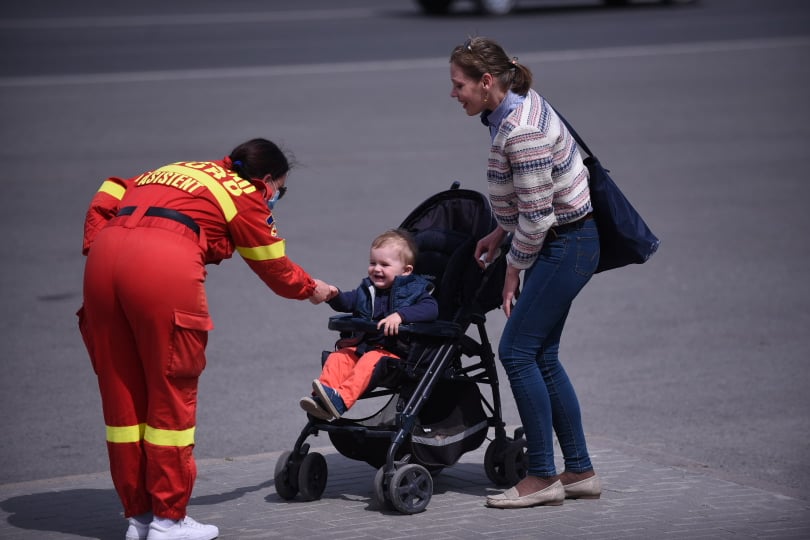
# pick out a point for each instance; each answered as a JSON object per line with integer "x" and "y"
{"x": 536, "y": 177}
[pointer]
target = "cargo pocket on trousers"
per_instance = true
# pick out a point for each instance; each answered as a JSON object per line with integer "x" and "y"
{"x": 189, "y": 338}
{"x": 86, "y": 336}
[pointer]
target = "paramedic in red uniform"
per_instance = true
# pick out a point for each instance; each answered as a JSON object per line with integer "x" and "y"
{"x": 145, "y": 318}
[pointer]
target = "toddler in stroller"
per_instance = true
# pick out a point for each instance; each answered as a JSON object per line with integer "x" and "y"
{"x": 391, "y": 295}
{"x": 434, "y": 409}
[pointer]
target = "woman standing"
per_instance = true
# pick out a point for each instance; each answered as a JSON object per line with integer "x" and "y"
{"x": 538, "y": 188}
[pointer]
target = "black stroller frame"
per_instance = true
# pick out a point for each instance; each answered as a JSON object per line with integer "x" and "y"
{"x": 406, "y": 463}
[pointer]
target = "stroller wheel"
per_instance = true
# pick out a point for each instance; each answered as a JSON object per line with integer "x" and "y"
{"x": 312, "y": 476}
{"x": 493, "y": 465}
{"x": 380, "y": 500}
{"x": 286, "y": 477}
{"x": 410, "y": 489}
{"x": 505, "y": 462}
{"x": 516, "y": 462}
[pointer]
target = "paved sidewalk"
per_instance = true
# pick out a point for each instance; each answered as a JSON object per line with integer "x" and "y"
{"x": 644, "y": 498}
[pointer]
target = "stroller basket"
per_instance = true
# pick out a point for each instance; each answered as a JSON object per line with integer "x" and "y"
{"x": 451, "y": 424}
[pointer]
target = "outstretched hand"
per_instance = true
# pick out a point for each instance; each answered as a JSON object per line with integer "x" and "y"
{"x": 323, "y": 292}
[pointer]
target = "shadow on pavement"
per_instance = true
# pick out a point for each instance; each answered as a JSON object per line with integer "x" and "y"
{"x": 88, "y": 512}
{"x": 80, "y": 512}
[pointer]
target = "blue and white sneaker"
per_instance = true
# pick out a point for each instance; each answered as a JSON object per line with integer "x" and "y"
{"x": 314, "y": 407}
{"x": 330, "y": 398}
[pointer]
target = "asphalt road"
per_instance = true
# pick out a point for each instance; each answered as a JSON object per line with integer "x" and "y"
{"x": 698, "y": 357}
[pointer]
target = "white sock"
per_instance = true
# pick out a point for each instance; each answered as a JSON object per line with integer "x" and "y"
{"x": 166, "y": 522}
{"x": 143, "y": 519}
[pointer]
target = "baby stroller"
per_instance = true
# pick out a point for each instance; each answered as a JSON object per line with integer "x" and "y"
{"x": 434, "y": 410}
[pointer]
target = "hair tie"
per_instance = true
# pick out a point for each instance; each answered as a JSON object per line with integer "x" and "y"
{"x": 237, "y": 163}
{"x": 514, "y": 60}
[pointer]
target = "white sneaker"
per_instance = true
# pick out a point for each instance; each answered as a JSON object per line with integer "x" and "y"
{"x": 187, "y": 529}
{"x": 137, "y": 530}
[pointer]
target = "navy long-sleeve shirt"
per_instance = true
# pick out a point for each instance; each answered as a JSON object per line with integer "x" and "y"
{"x": 409, "y": 296}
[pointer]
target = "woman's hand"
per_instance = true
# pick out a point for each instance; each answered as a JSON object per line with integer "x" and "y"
{"x": 323, "y": 292}
{"x": 511, "y": 285}
{"x": 486, "y": 250}
{"x": 390, "y": 324}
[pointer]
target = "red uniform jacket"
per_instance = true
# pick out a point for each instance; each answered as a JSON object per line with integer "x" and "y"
{"x": 231, "y": 212}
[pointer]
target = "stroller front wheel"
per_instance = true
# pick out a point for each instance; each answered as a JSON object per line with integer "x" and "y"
{"x": 312, "y": 476}
{"x": 380, "y": 491}
{"x": 410, "y": 489}
{"x": 286, "y": 477}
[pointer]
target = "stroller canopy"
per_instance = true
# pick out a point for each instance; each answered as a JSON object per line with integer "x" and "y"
{"x": 446, "y": 228}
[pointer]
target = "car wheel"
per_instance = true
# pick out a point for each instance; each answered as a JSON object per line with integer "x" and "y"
{"x": 496, "y": 7}
{"x": 435, "y": 7}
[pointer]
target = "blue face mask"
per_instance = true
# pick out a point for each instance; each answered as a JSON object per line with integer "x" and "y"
{"x": 271, "y": 202}
{"x": 278, "y": 193}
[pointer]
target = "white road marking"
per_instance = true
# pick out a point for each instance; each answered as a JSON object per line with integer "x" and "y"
{"x": 399, "y": 65}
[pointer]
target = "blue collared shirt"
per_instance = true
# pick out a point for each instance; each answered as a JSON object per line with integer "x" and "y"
{"x": 493, "y": 119}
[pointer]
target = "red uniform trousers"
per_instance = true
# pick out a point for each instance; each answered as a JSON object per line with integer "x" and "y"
{"x": 349, "y": 373}
{"x": 145, "y": 323}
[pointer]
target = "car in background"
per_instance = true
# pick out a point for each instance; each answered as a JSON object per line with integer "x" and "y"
{"x": 500, "y": 7}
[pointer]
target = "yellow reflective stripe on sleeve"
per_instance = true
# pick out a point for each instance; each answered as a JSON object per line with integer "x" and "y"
{"x": 111, "y": 188}
{"x": 125, "y": 434}
{"x": 169, "y": 437}
{"x": 217, "y": 190}
{"x": 262, "y": 253}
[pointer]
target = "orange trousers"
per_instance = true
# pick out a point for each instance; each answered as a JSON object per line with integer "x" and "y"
{"x": 145, "y": 323}
{"x": 349, "y": 373}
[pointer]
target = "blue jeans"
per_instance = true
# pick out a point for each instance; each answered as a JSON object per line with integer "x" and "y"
{"x": 530, "y": 344}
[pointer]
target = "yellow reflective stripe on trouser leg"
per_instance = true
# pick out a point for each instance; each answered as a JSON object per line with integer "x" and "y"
{"x": 169, "y": 437}
{"x": 113, "y": 189}
{"x": 125, "y": 434}
{"x": 262, "y": 253}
